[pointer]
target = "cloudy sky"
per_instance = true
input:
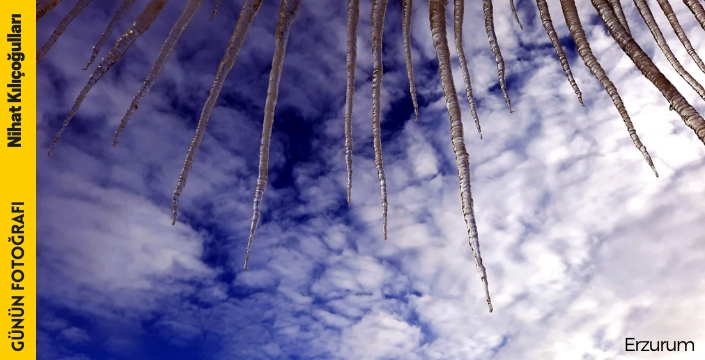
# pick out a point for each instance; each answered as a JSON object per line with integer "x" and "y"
{"x": 583, "y": 246}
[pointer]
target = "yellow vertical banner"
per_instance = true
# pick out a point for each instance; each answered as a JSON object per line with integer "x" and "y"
{"x": 18, "y": 180}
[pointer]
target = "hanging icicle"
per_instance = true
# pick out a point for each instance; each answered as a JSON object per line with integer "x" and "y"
{"x": 407, "y": 7}
{"x": 167, "y": 48}
{"x": 551, "y": 32}
{"x": 437, "y": 17}
{"x": 489, "y": 28}
{"x": 379, "y": 8}
{"x": 247, "y": 13}
{"x": 516, "y": 16}
{"x": 351, "y": 61}
{"x": 697, "y": 10}
{"x": 144, "y": 20}
{"x": 119, "y": 14}
{"x": 286, "y": 19}
{"x": 458, "y": 14}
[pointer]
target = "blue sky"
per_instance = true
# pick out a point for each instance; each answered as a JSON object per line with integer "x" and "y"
{"x": 583, "y": 246}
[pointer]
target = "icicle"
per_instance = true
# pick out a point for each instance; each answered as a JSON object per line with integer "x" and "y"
{"x": 407, "y": 7}
{"x": 648, "y": 17}
{"x": 121, "y": 11}
{"x": 437, "y": 12}
{"x": 144, "y": 20}
{"x": 458, "y": 12}
{"x": 62, "y": 27}
{"x": 45, "y": 7}
{"x": 516, "y": 17}
{"x": 379, "y": 8}
{"x": 489, "y": 28}
{"x": 168, "y": 46}
{"x": 617, "y": 7}
{"x": 215, "y": 9}
{"x": 570, "y": 12}
{"x": 642, "y": 61}
{"x": 247, "y": 13}
{"x": 697, "y": 10}
{"x": 673, "y": 20}
{"x": 353, "y": 17}
{"x": 286, "y": 18}
{"x": 548, "y": 25}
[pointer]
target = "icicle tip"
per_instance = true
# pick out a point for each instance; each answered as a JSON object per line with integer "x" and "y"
{"x": 175, "y": 209}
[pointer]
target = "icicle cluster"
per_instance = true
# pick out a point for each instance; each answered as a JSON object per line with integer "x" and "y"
{"x": 647, "y": 67}
{"x": 609, "y": 11}
{"x": 144, "y": 20}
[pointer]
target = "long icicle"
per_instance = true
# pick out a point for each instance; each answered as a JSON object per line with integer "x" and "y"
{"x": 215, "y": 9}
{"x": 407, "y": 7}
{"x": 697, "y": 10}
{"x": 617, "y": 7}
{"x": 516, "y": 16}
{"x": 437, "y": 12}
{"x": 572, "y": 19}
{"x": 144, "y": 20}
{"x": 80, "y": 5}
{"x": 166, "y": 50}
{"x": 648, "y": 17}
{"x": 353, "y": 19}
{"x": 690, "y": 116}
{"x": 119, "y": 14}
{"x": 46, "y": 7}
{"x": 551, "y": 31}
{"x": 492, "y": 37}
{"x": 458, "y": 14}
{"x": 286, "y": 19}
{"x": 675, "y": 24}
{"x": 247, "y": 13}
{"x": 379, "y": 8}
